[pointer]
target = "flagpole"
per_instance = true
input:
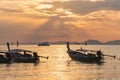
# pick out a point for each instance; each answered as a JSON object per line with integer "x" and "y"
{"x": 17, "y": 44}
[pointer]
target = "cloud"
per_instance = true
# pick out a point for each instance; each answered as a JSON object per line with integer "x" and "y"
{"x": 73, "y": 20}
{"x": 8, "y": 10}
{"x": 49, "y": 7}
{"x": 13, "y": 28}
{"x": 86, "y": 7}
{"x": 56, "y": 30}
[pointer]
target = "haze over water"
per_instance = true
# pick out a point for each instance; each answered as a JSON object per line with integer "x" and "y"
{"x": 59, "y": 66}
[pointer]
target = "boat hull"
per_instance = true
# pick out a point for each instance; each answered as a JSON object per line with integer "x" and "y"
{"x": 84, "y": 58}
{"x": 26, "y": 60}
{"x": 5, "y": 60}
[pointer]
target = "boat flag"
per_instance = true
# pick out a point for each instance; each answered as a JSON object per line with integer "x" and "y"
{"x": 17, "y": 44}
{"x": 85, "y": 43}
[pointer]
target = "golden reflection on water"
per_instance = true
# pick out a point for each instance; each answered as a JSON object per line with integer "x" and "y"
{"x": 60, "y": 67}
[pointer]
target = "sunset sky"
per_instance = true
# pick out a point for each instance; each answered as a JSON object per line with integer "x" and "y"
{"x": 59, "y": 20}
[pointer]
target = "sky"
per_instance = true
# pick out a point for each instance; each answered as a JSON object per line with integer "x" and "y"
{"x": 59, "y": 20}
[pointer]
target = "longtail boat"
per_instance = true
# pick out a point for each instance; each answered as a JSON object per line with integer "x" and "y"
{"x": 22, "y": 55}
{"x": 84, "y": 55}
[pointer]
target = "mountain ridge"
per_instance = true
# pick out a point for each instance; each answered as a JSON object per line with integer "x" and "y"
{"x": 112, "y": 42}
{"x": 91, "y": 42}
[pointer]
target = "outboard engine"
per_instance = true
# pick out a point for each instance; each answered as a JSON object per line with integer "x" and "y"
{"x": 35, "y": 55}
{"x": 99, "y": 54}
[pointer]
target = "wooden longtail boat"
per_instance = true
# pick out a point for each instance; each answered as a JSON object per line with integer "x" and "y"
{"x": 21, "y": 55}
{"x": 82, "y": 55}
{"x": 24, "y": 56}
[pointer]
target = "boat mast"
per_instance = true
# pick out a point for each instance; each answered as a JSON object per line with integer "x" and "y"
{"x": 8, "y": 46}
{"x": 68, "y": 46}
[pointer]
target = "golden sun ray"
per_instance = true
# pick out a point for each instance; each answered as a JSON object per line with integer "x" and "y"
{"x": 96, "y": 0}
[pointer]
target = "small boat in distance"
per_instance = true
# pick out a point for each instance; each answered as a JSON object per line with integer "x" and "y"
{"x": 44, "y": 44}
{"x": 85, "y": 55}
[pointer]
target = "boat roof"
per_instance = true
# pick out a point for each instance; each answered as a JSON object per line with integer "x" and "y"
{"x": 2, "y": 51}
{"x": 18, "y": 50}
{"x": 85, "y": 50}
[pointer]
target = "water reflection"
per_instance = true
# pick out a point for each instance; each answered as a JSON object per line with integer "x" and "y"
{"x": 79, "y": 62}
{"x": 59, "y": 66}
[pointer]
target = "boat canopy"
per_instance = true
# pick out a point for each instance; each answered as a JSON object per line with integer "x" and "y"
{"x": 19, "y": 50}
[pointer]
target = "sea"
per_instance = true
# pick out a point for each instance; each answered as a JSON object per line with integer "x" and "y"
{"x": 59, "y": 66}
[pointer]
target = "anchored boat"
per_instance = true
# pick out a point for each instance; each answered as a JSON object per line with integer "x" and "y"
{"x": 21, "y": 55}
{"x": 44, "y": 44}
{"x": 25, "y": 56}
{"x": 84, "y": 55}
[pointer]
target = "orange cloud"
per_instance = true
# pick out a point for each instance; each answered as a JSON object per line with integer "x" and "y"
{"x": 40, "y": 20}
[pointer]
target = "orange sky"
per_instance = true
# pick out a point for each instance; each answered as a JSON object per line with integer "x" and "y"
{"x": 56, "y": 20}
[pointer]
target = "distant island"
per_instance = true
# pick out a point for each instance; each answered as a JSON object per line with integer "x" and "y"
{"x": 90, "y": 42}
{"x": 96, "y": 42}
{"x": 87, "y": 42}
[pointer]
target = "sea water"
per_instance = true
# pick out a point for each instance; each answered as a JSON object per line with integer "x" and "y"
{"x": 59, "y": 66}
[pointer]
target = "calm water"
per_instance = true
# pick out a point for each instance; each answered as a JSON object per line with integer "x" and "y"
{"x": 60, "y": 67}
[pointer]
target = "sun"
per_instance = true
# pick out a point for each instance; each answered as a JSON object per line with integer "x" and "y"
{"x": 96, "y": 0}
{"x": 93, "y": 0}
